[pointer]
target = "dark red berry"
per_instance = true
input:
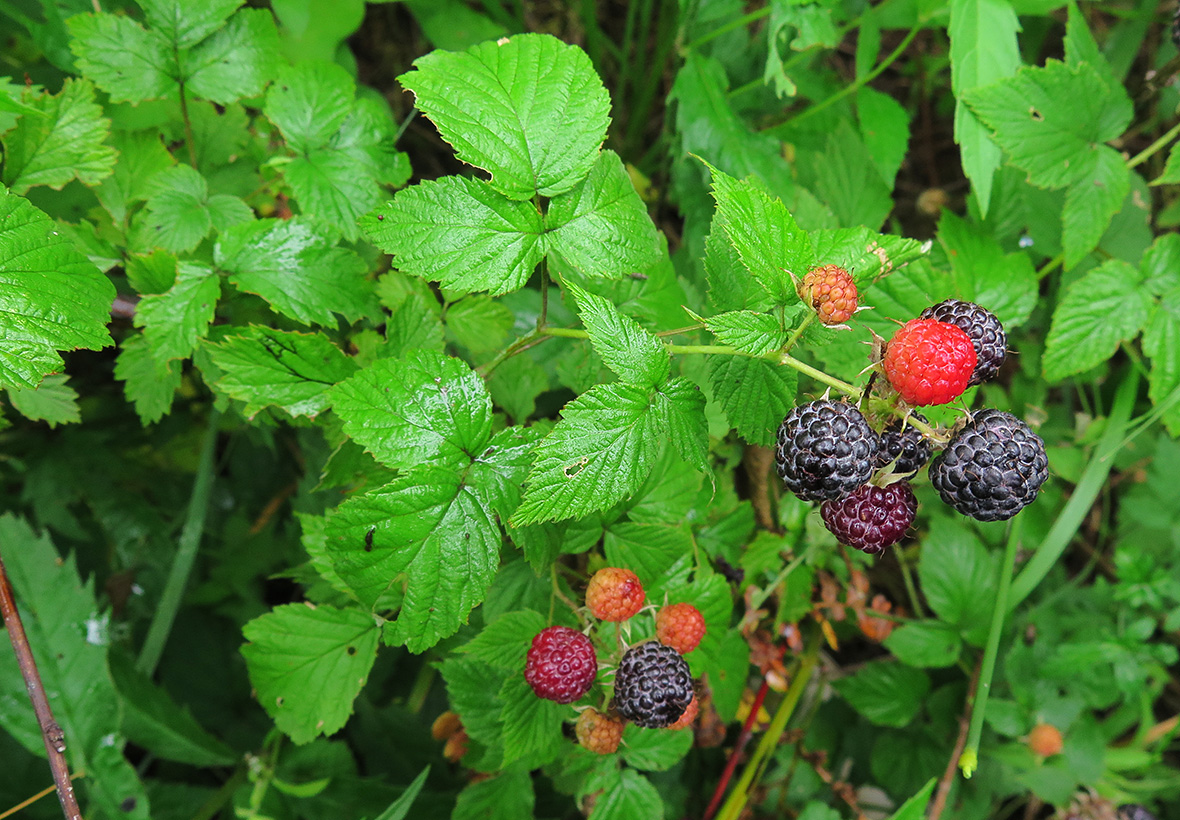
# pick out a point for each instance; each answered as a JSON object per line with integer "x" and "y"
{"x": 561, "y": 664}
{"x": 872, "y": 518}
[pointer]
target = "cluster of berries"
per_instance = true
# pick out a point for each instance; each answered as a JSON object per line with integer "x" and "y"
{"x": 990, "y": 469}
{"x": 652, "y": 685}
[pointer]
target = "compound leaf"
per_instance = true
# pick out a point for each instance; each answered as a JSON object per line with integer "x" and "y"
{"x": 237, "y": 61}
{"x": 184, "y": 23}
{"x": 750, "y": 332}
{"x": 124, "y": 60}
{"x": 307, "y": 665}
{"x": 625, "y": 347}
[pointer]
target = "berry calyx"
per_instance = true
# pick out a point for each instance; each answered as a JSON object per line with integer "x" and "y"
{"x": 982, "y": 327}
{"x": 561, "y": 664}
{"x": 825, "y": 450}
{"x": 829, "y": 289}
{"x": 929, "y": 362}
{"x": 872, "y": 518}
{"x": 680, "y": 626}
{"x": 904, "y": 447}
{"x": 992, "y": 468}
{"x": 652, "y": 685}
{"x": 1045, "y": 740}
{"x": 598, "y": 732}
{"x": 686, "y": 720}
{"x": 614, "y": 594}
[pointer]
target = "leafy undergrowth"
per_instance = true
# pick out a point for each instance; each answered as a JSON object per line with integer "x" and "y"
{"x": 342, "y": 345}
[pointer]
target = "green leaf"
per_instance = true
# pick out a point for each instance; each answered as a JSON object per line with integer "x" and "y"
{"x": 479, "y": 323}
{"x": 68, "y": 634}
{"x": 423, "y": 408}
{"x": 309, "y": 103}
{"x": 399, "y": 808}
{"x": 180, "y": 212}
{"x": 681, "y": 406}
{"x": 292, "y": 266}
{"x": 52, "y": 401}
{"x": 1161, "y": 342}
{"x": 413, "y": 325}
{"x": 307, "y": 664}
{"x": 497, "y": 474}
{"x": 141, "y": 156}
{"x": 294, "y": 371}
{"x": 64, "y": 144}
{"x": 473, "y": 691}
{"x": 148, "y": 384}
{"x": 460, "y": 232}
{"x": 51, "y": 297}
{"x": 185, "y": 24}
{"x": 1171, "y": 173}
{"x": 153, "y": 720}
{"x": 1161, "y": 264}
{"x": 175, "y": 321}
{"x": 1081, "y": 48}
{"x": 753, "y": 333}
{"x": 1005, "y": 284}
{"x": 600, "y": 227}
{"x": 530, "y": 110}
{"x": 866, "y": 254}
{"x": 915, "y": 807}
{"x": 1099, "y": 310}
{"x": 1090, "y": 205}
{"x": 532, "y": 725}
{"x": 654, "y": 750}
{"x": 598, "y": 454}
{"x": 649, "y": 550}
{"x": 755, "y": 394}
{"x": 846, "y": 179}
{"x": 632, "y": 797}
{"x": 428, "y": 532}
{"x": 925, "y": 644}
{"x": 237, "y": 61}
{"x": 626, "y": 348}
{"x": 506, "y": 796}
{"x": 505, "y": 641}
{"x": 983, "y": 50}
{"x": 886, "y": 692}
{"x": 958, "y": 578}
{"x": 884, "y": 129}
{"x": 709, "y": 592}
{"x": 124, "y": 60}
{"x": 765, "y": 235}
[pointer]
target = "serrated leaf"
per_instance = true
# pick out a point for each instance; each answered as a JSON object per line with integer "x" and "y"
{"x": 506, "y": 796}
{"x": 237, "y": 61}
{"x": 649, "y": 550}
{"x": 141, "y": 156}
{"x": 925, "y": 644}
{"x": 884, "y": 129}
{"x": 1161, "y": 264}
{"x": 185, "y": 24}
{"x": 53, "y": 401}
{"x": 293, "y": 267}
{"x": 51, "y": 296}
{"x": 309, "y": 102}
{"x": 124, "y": 60}
{"x": 731, "y": 286}
{"x": 424, "y": 408}
{"x": 755, "y": 394}
{"x": 709, "y": 592}
{"x": 866, "y": 254}
{"x": 473, "y": 691}
{"x": 1161, "y": 342}
{"x": 532, "y": 725}
{"x": 175, "y": 321}
{"x": 68, "y": 635}
{"x": 428, "y": 532}
{"x": 399, "y": 808}
{"x": 681, "y": 406}
{"x": 498, "y": 473}
{"x": 153, "y": 720}
{"x": 654, "y": 750}
{"x": 626, "y": 348}
{"x": 413, "y": 325}
{"x": 180, "y": 212}
{"x": 1005, "y": 284}
{"x": 479, "y": 323}
{"x": 886, "y": 692}
{"x": 294, "y": 371}
{"x": 983, "y": 50}
{"x": 634, "y": 796}
{"x": 750, "y": 332}
{"x": 1090, "y": 204}
{"x": 1099, "y": 310}
{"x": 149, "y": 384}
{"x": 529, "y": 110}
{"x": 307, "y": 665}
{"x": 66, "y": 143}
{"x": 765, "y": 235}
{"x": 599, "y": 453}
{"x": 1171, "y": 173}
{"x": 1080, "y": 47}
{"x": 460, "y": 232}
{"x": 505, "y": 641}
{"x": 847, "y": 181}
{"x": 958, "y": 578}
{"x": 915, "y": 807}
{"x": 601, "y": 227}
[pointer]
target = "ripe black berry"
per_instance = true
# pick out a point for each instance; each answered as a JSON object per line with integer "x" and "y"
{"x": 991, "y": 469}
{"x": 561, "y": 664}
{"x": 905, "y": 444}
{"x": 872, "y": 518}
{"x": 984, "y": 329}
{"x": 825, "y": 450}
{"x": 652, "y": 685}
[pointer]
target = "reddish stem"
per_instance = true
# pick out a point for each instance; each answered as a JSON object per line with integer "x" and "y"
{"x": 739, "y": 747}
{"x": 55, "y": 744}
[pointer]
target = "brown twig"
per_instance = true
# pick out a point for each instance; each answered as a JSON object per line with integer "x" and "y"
{"x": 948, "y": 776}
{"x": 51, "y": 733}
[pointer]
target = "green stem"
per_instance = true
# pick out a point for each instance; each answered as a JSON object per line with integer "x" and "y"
{"x": 1079, "y": 504}
{"x": 723, "y": 350}
{"x": 739, "y": 22}
{"x": 564, "y": 332}
{"x": 820, "y": 376}
{"x": 856, "y": 84}
{"x": 969, "y": 760}
{"x": 186, "y": 554}
{"x": 736, "y": 802}
{"x": 1050, "y": 266}
{"x": 1148, "y": 152}
{"x": 520, "y": 344}
{"x": 907, "y": 575}
{"x": 189, "y": 139}
{"x": 797, "y": 332}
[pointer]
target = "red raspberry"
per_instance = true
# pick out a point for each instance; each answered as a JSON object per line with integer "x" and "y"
{"x": 614, "y": 594}
{"x": 830, "y": 290}
{"x": 929, "y": 362}
{"x": 561, "y": 664}
{"x": 680, "y": 626}
{"x": 599, "y": 733}
{"x": 690, "y": 714}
